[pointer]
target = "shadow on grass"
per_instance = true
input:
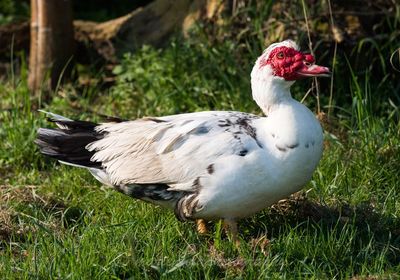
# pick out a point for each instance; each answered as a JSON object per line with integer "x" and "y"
{"x": 24, "y": 210}
{"x": 299, "y": 212}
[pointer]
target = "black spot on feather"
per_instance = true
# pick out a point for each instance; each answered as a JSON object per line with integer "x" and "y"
{"x": 225, "y": 122}
{"x": 156, "y": 192}
{"x": 282, "y": 149}
{"x": 210, "y": 169}
{"x": 112, "y": 118}
{"x": 244, "y": 124}
{"x": 202, "y": 130}
{"x": 156, "y": 120}
{"x": 196, "y": 183}
{"x": 240, "y": 123}
{"x": 293, "y": 146}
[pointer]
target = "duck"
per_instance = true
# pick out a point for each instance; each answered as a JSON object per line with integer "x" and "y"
{"x": 209, "y": 165}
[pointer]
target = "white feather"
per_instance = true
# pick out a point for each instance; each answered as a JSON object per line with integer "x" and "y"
{"x": 236, "y": 168}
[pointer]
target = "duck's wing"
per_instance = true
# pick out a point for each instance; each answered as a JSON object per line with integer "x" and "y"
{"x": 174, "y": 150}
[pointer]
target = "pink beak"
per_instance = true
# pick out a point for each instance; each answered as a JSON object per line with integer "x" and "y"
{"x": 313, "y": 70}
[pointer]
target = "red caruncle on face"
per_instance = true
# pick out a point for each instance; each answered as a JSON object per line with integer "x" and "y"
{"x": 286, "y": 61}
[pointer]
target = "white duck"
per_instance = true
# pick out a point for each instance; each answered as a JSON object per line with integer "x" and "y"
{"x": 206, "y": 165}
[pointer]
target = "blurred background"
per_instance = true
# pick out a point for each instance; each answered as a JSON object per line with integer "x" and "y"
{"x": 96, "y": 44}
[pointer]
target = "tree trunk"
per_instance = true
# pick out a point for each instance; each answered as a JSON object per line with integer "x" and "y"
{"x": 52, "y": 43}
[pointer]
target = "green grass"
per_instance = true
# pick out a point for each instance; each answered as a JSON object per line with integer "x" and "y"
{"x": 57, "y": 222}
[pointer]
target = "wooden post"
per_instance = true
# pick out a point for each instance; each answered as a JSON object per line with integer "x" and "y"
{"x": 52, "y": 43}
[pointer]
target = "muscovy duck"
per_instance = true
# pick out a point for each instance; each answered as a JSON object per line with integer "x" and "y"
{"x": 206, "y": 165}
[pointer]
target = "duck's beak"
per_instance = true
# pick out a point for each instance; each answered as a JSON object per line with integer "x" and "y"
{"x": 313, "y": 70}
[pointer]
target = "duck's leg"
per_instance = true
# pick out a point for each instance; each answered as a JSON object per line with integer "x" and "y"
{"x": 201, "y": 226}
{"x": 231, "y": 227}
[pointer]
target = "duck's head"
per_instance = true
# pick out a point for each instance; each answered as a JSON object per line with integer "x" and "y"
{"x": 280, "y": 65}
{"x": 284, "y": 61}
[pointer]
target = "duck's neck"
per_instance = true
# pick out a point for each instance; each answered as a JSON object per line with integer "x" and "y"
{"x": 269, "y": 92}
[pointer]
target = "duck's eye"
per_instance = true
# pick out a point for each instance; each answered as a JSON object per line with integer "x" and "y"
{"x": 280, "y": 55}
{"x": 306, "y": 63}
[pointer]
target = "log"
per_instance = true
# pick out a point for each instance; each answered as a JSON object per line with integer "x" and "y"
{"x": 51, "y": 45}
{"x": 151, "y": 24}
{"x": 14, "y": 35}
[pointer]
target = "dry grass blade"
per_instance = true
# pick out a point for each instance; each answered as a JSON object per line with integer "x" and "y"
{"x": 392, "y": 57}
{"x": 315, "y": 81}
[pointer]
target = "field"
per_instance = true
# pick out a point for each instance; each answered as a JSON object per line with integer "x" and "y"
{"x": 57, "y": 222}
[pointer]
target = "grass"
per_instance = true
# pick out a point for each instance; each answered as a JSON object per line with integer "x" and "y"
{"x": 57, "y": 222}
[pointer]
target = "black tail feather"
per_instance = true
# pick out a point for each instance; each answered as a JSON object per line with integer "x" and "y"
{"x": 68, "y": 142}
